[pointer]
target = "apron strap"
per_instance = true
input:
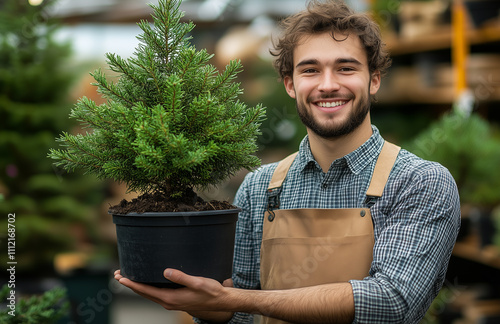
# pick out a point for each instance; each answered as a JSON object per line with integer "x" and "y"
{"x": 281, "y": 171}
{"x": 383, "y": 168}
{"x": 274, "y": 188}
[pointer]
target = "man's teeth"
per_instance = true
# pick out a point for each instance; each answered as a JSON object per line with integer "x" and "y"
{"x": 331, "y": 104}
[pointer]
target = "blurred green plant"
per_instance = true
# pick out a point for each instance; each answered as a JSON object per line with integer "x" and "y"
{"x": 282, "y": 128}
{"x": 34, "y": 81}
{"x": 47, "y": 308}
{"x": 30, "y": 58}
{"x": 468, "y": 146}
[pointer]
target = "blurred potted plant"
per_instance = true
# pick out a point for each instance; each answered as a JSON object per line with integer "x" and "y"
{"x": 35, "y": 78}
{"x": 468, "y": 146}
{"x": 46, "y": 308}
{"x": 171, "y": 124}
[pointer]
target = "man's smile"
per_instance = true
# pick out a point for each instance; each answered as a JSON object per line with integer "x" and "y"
{"x": 330, "y": 104}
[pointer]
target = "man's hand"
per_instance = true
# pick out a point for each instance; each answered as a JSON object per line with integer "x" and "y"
{"x": 209, "y": 300}
{"x": 201, "y": 297}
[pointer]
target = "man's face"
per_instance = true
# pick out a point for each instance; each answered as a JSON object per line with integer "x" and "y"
{"x": 331, "y": 84}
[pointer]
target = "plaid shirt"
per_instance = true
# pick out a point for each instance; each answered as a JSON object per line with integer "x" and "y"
{"x": 416, "y": 223}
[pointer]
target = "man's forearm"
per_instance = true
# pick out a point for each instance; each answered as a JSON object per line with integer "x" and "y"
{"x": 330, "y": 303}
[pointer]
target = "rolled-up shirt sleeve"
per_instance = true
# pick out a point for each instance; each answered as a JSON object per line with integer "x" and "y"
{"x": 414, "y": 238}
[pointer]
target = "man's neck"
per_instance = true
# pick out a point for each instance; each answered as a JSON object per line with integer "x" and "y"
{"x": 327, "y": 150}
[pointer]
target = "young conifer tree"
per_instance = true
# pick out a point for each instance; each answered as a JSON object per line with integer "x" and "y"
{"x": 172, "y": 123}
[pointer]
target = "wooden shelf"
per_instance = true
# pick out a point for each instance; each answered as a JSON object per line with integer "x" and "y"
{"x": 440, "y": 40}
{"x": 470, "y": 250}
{"x": 410, "y": 84}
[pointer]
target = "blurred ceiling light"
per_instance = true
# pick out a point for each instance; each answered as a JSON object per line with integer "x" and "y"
{"x": 212, "y": 9}
{"x": 35, "y": 2}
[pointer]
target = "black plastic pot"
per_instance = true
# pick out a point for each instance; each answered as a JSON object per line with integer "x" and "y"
{"x": 197, "y": 243}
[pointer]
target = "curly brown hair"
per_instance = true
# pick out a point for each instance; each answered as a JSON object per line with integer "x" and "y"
{"x": 335, "y": 17}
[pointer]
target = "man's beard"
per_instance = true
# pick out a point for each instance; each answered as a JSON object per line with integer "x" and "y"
{"x": 355, "y": 118}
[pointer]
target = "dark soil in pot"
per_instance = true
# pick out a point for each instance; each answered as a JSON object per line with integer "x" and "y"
{"x": 159, "y": 202}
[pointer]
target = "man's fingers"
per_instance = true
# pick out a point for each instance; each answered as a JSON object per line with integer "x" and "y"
{"x": 178, "y": 277}
{"x": 197, "y": 294}
{"x": 135, "y": 286}
{"x": 146, "y": 291}
{"x": 118, "y": 275}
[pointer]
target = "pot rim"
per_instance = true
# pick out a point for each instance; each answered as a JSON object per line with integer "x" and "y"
{"x": 180, "y": 213}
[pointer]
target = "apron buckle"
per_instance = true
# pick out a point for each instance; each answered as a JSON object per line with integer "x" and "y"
{"x": 370, "y": 201}
{"x": 273, "y": 200}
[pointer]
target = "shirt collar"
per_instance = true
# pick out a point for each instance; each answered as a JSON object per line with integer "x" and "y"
{"x": 357, "y": 160}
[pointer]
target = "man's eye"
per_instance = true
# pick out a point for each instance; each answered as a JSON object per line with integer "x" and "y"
{"x": 346, "y": 69}
{"x": 309, "y": 71}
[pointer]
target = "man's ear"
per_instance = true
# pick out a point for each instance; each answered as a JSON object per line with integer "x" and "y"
{"x": 375, "y": 82}
{"x": 288, "y": 82}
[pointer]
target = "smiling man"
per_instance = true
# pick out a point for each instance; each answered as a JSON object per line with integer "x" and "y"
{"x": 350, "y": 228}
{"x": 332, "y": 85}
{"x": 330, "y": 76}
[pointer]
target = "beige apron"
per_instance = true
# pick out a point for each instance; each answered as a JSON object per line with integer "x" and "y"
{"x": 307, "y": 247}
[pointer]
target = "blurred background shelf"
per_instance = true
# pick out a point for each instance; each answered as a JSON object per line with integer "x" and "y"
{"x": 470, "y": 250}
{"x": 440, "y": 39}
{"x": 423, "y": 71}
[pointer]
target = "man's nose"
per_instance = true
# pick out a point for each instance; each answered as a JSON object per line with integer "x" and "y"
{"x": 328, "y": 82}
